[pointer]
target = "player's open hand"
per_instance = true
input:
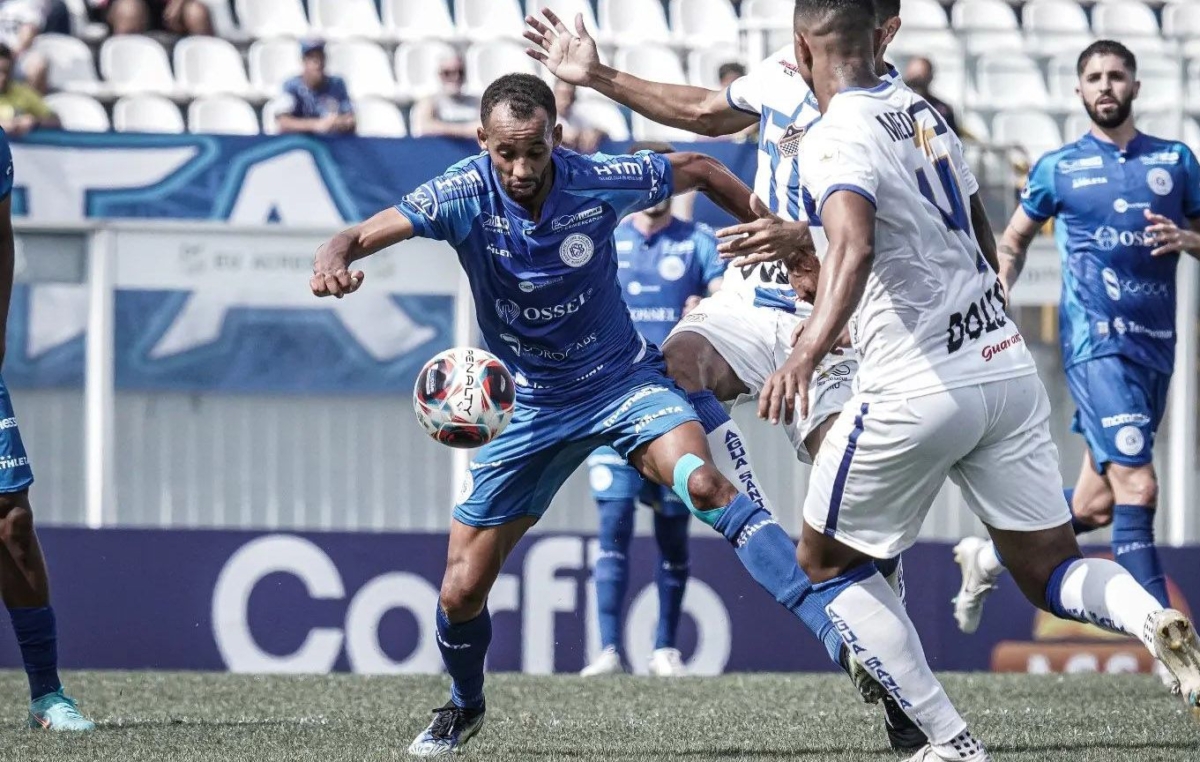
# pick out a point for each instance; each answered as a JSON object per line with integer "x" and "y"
{"x": 769, "y": 238}
{"x": 786, "y": 390}
{"x": 572, "y": 58}
{"x": 1168, "y": 237}
{"x": 331, "y": 276}
{"x": 842, "y": 342}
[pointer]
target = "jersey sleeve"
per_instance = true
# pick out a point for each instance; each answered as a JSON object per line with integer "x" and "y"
{"x": 343, "y": 97}
{"x": 634, "y": 182}
{"x": 1038, "y": 199}
{"x": 6, "y": 165}
{"x": 444, "y": 208}
{"x": 711, "y": 265}
{"x": 962, "y": 167}
{"x": 836, "y": 158}
{"x": 1191, "y": 187}
{"x": 745, "y": 94}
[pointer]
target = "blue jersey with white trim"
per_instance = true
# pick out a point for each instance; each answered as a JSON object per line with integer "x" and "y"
{"x": 1117, "y": 299}
{"x": 660, "y": 271}
{"x": 546, "y": 292}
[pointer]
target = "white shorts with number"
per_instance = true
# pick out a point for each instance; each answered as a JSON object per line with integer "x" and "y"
{"x": 756, "y": 341}
{"x": 883, "y": 462}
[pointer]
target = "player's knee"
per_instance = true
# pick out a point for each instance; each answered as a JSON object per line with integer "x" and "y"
{"x": 1138, "y": 487}
{"x": 16, "y": 517}
{"x": 461, "y": 602}
{"x": 1095, "y": 509}
{"x": 709, "y": 489}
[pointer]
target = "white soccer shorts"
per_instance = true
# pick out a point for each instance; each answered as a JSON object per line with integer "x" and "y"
{"x": 756, "y": 341}
{"x": 883, "y": 462}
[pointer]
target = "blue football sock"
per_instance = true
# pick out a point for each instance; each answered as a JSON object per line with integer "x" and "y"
{"x": 1133, "y": 548}
{"x": 464, "y": 647}
{"x": 37, "y": 636}
{"x": 671, "y": 532}
{"x": 611, "y": 573}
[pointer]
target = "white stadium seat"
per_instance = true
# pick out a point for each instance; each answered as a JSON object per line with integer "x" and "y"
{"x": 700, "y": 23}
{"x": 344, "y": 19}
{"x": 70, "y": 60}
{"x": 78, "y": 112}
{"x": 1181, "y": 21}
{"x": 974, "y": 123}
{"x": 704, "y": 63}
{"x": 1078, "y": 124}
{"x": 652, "y": 62}
{"x": 1062, "y": 78}
{"x": 987, "y": 25}
{"x": 273, "y": 62}
{"x": 1129, "y": 21}
{"x": 566, "y": 10}
{"x": 209, "y": 65}
{"x": 489, "y": 19}
{"x": 923, "y": 14}
{"x": 417, "y": 67}
{"x": 627, "y": 22}
{"x": 1036, "y": 131}
{"x": 488, "y": 60}
{"x": 604, "y": 115}
{"x": 273, "y": 18}
{"x": 147, "y": 113}
{"x": 222, "y": 115}
{"x": 378, "y": 118}
{"x": 1008, "y": 81}
{"x": 1162, "y": 83}
{"x": 1171, "y": 126}
{"x": 950, "y": 79}
{"x": 768, "y": 11}
{"x": 132, "y": 63}
{"x": 270, "y": 109}
{"x": 1055, "y": 25}
{"x": 644, "y": 129}
{"x": 365, "y": 67}
{"x": 924, "y": 31}
{"x": 417, "y": 20}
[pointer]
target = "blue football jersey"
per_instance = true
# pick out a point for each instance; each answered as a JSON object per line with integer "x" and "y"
{"x": 546, "y": 292}
{"x": 661, "y": 271}
{"x": 6, "y": 166}
{"x": 1116, "y": 298}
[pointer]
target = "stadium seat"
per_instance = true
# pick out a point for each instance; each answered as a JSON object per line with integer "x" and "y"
{"x": 344, "y": 19}
{"x": 701, "y": 23}
{"x": 973, "y": 123}
{"x": 652, "y": 62}
{"x": 365, "y": 67}
{"x": 1129, "y": 21}
{"x": 1036, "y": 131}
{"x": 209, "y": 65}
{"x": 487, "y": 60}
{"x": 704, "y": 63}
{"x": 71, "y": 64}
{"x": 1193, "y": 85}
{"x": 950, "y": 78}
{"x": 1173, "y": 127}
{"x": 987, "y": 25}
{"x": 78, "y": 112}
{"x": 1181, "y": 21}
{"x": 132, "y": 63}
{"x": 222, "y": 115}
{"x": 147, "y": 112}
{"x": 270, "y": 109}
{"x": 1007, "y": 81}
{"x": 566, "y": 10}
{"x": 604, "y": 115}
{"x": 273, "y": 62}
{"x": 273, "y": 18}
{"x": 923, "y": 14}
{"x": 489, "y": 19}
{"x": 1062, "y": 79}
{"x": 1078, "y": 124}
{"x": 627, "y": 22}
{"x": 644, "y": 129}
{"x": 378, "y": 118}
{"x": 768, "y": 12}
{"x": 925, "y": 31}
{"x": 1162, "y": 83}
{"x": 1055, "y": 25}
{"x": 418, "y": 20}
{"x": 417, "y": 67}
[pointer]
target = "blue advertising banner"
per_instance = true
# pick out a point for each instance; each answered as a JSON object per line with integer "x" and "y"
{"x": 253, "y": 602}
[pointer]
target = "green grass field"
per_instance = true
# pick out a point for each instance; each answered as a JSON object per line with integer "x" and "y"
{"x": 195, "y": 717}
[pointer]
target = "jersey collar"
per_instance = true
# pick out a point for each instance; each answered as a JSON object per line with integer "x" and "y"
{"x": 1135, "y": 146}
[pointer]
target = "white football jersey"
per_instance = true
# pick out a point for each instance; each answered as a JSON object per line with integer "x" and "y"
{"x": 932, "y": 317}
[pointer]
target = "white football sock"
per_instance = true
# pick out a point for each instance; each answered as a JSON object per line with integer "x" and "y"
{"x": 1100, "y": 591}
{"x": 880, "y": 635}
{"x": 732, "y": 459}
{"x": 989, "y": 561}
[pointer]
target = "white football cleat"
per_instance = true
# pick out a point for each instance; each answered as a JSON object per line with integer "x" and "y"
{"x": 976, "y": 584}
{"x": 607, "y": 663}
{"x": 1176, "y": 646}
{"x": 667, "y": 662}
{"x": 927, "y": 754}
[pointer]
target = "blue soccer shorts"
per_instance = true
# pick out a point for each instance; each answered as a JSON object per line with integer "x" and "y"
{"x": 15, "y": 473}
{"x": 611, "y": 478}
{"x": 518, "y": 473}
{"x": 1119, "y": 406}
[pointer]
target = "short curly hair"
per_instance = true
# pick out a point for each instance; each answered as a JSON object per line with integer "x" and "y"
{"x": 524, "y": 94}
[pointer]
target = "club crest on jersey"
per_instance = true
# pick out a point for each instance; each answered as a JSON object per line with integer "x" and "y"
{"x": 671, "y": 268}
{"x": 1160, "y": 181}
{"x": 789, "y": 144}
{"x": 576, "y": 250}
{"x": 507, "y": 310}
{"x": 424, "y": 200}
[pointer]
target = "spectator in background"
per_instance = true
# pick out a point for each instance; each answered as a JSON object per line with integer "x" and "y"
{"x": 182, "y": 17}
{"x": 579, "y": 134}
{"x": 729, "y": 72}
{"x": 22, "y": 109}
{"x": 918, "y": 75}
{"x": 20, "y": 22}
{"x": 451, "y": 113}
{"x": 315, "y": 101}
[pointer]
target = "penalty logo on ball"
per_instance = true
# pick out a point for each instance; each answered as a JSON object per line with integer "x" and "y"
{"x": 464, "y": 397}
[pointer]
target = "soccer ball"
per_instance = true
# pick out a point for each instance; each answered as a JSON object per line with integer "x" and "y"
{"x": 464, "y": 397}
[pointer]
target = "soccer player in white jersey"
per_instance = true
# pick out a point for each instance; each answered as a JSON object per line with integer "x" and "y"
{"x": 735, "y": 339}
{"x": 946, "y": 386}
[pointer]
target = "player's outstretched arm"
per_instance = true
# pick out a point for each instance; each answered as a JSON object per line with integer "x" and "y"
{"x": 984, "y": 235}
{"x": 848, "y": 219}
{"x": 1169, "y": 238}
{"x": 332, "y": 275}
{"x": 573, "y": 58}
{"x": 696, "y": 172}
{"x": 1014, "y": 246}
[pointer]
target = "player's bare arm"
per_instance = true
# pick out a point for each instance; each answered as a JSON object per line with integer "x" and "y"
{"x": 573, "y": 58}
{"x": 849, "y": 221}
{"x": 984, "y": 235}
{"x": 1170, "y": 238}
{"x": 1014, "y": 247}
{"x": 697, "y": 172}
{"x": 332, "y": 275}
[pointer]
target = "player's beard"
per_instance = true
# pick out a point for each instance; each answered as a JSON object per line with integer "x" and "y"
{"x": 1112, "y": 117}
{"x": 533, "y": 189}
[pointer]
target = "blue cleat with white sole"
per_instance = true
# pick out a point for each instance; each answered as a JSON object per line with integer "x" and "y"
{"x": 449, "y": 732}
{"x": 58, "y": 712}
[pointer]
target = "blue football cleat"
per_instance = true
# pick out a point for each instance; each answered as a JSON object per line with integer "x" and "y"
{"x": 58, "y": 712}
{"x": 449, "y": 732}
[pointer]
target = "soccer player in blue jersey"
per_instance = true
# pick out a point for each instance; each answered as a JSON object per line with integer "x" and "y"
{"x": 665, "y": 266}
{"x": 24, "y": 582}
{"x": 533, "y": 226}
{"x": 1125, "y": 206}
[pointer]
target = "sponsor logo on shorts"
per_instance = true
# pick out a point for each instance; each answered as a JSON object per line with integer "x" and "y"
{"x": 991, "y": 350}
{"x": 574, "y": 220}
{"x": 646, "y": 420}
{"x": 1124, "y": 419}
{"x": 600, "y": 477}
{"x": 629, "y": 402}
{"x": 576, "y": 250}
{"x": 1130, "y": 440}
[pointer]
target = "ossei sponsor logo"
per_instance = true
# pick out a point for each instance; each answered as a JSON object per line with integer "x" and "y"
{"x": 547, "y": 314}
{"x": 1108, "y": 238}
